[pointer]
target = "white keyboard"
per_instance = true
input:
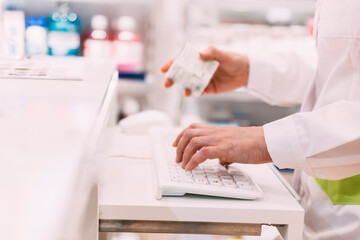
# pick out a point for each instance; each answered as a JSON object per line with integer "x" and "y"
{"x": 209, "y": 178}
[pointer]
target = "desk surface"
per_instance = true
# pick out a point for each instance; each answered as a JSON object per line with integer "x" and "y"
{"x": 126, "y": 192}
{"x": 45, "y": 128}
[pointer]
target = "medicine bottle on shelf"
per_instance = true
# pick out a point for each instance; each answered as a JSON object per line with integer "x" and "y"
{"x": 128, "y": 47}
{"x": 97, "y": 43}
{"x": 64, "y": 32}
{"x": 36, "y": 36}
{"x": 13, "y": 26}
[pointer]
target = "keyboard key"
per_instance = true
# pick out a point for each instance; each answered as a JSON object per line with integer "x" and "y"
{"x": 245, "y": 186}
{"x": 211, "y": 175}
{"x": 230, "y": 184}
{"x": 173, "y": 175}
{"x": 185, "y": 173}
{"x": 222, "y": 177}
{"x": 224, "y": 173}
{"x": 187, "y": 180}
{"x": 227, "y": 180}
{"x": 195, "y": 175}
{"x": 201, "y": 181}
{"x": 221, "y": 169}
{"x": 175, "y": 179}
{"x": 197, "y": 170}
{"x": 215, "y": 182}
{"x": 208, "y": 169}
{"x": 210, "y": 172}
{"x": 240, "y": 179}
{"x": 235, "y": 172}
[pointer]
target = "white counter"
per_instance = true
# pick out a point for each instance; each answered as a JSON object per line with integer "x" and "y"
{"x": 48, "y": 135}
{"x": 126, "y": 192}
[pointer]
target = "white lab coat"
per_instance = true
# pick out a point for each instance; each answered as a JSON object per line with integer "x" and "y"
{"x": 323, "y": 140}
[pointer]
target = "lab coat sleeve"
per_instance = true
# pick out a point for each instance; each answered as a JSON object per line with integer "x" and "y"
{"x": 324, "y": 143}
{"x": 280, "y": 78}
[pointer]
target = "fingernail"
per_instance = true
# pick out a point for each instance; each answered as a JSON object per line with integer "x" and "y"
{"x": 177, "y": 160}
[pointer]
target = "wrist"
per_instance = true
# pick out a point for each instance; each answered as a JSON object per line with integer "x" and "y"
{"x": 265, "y": 155}
{"x": 244, "y": 71}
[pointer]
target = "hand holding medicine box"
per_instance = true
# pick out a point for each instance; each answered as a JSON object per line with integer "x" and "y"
{"x": 191, "y": 71}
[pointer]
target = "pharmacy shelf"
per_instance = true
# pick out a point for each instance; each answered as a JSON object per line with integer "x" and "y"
{"x": 239, "y": 95}
{"x": 133, "y": 87}
{"x": 106, "y": 1}
{"x": 245, "y": 5}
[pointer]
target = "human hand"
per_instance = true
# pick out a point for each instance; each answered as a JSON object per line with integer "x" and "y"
{"x": 200, "y": 142}
{"x": 232, "y": 73}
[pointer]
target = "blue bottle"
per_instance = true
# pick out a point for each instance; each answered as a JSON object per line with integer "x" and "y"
{"x": 64, "y": 32}
{"x": 36, "y": 35}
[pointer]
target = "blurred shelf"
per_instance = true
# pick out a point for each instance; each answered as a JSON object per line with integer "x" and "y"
{"x": 102, "y": 1}
{"x": 133, "y": 87}
{"x": 114, "y": 1}
{"x": 239, "y": 95}
{"x": 251, "y": 5}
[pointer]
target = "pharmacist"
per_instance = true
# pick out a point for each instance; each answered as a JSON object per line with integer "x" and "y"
{"x": 322, "y": 142}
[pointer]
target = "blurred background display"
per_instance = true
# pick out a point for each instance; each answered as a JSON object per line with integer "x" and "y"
{"x": 141, "y": 35}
